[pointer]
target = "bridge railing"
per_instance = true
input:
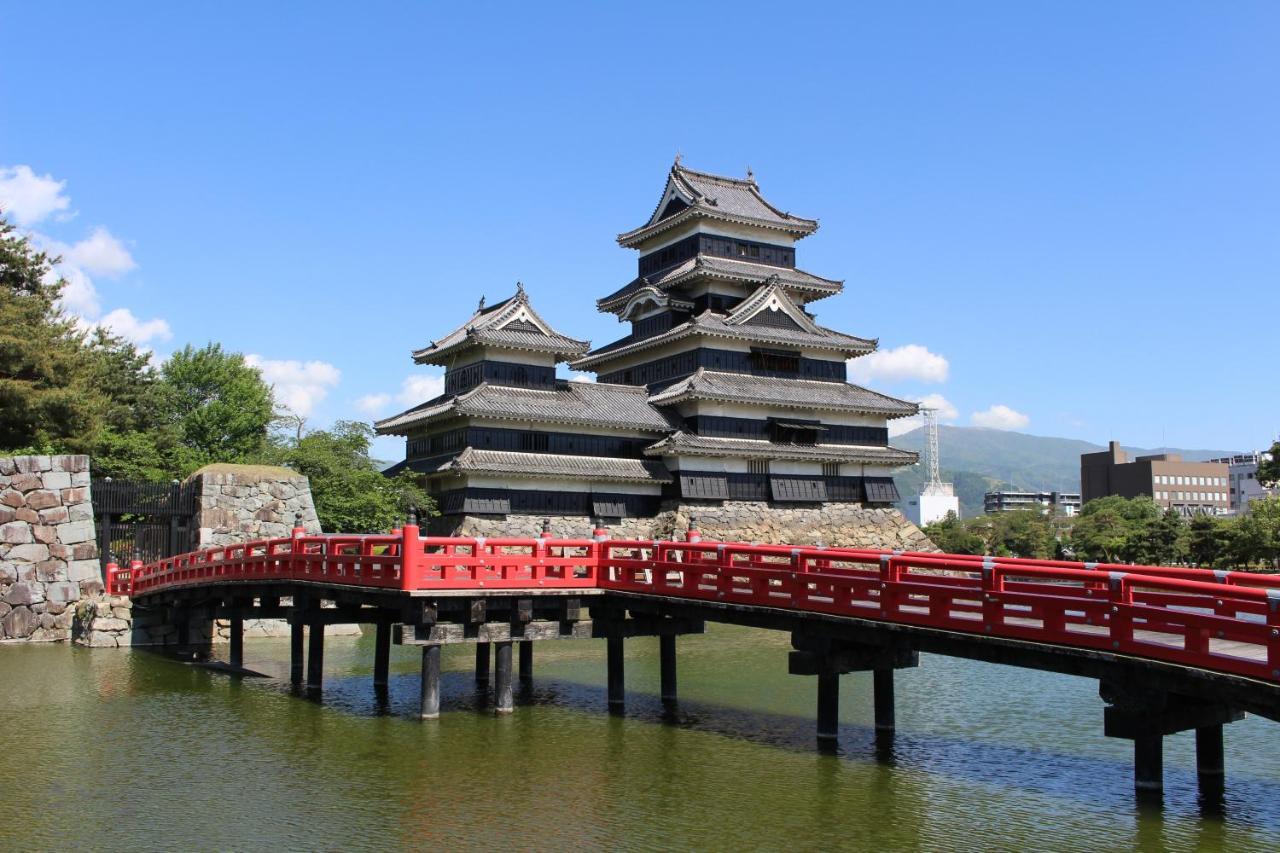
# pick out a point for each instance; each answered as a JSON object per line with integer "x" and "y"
{"x": 1186, "y": 616}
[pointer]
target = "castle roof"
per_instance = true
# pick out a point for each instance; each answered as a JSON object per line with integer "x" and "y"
{"x": 590, "y": 404}
{"x": 808, "y": 394}
{"x": 691, "y": 195}
{"x": 682, "y": 443}
{"x": 722, "y": 269}
{"x": 786, "y": 324}
{"x": 550, "y": 465}
{"x": 510, "y": 324}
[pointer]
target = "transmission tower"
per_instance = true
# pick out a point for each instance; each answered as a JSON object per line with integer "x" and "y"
{"x": 934, "y": 486}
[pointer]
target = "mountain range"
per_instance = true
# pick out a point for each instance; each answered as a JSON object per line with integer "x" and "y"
{"x": 979, "y": 460}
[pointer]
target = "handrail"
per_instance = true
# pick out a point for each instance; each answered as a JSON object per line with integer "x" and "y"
{"x": 1224, "y": 621}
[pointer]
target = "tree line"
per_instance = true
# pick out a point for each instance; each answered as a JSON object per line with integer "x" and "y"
{"x": 1124, "y": 530}
{"x": 65, "y": 388}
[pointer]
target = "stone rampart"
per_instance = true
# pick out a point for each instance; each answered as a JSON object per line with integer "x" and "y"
{"x": 845, "y": 525}
{"x": 240, "y": 503}
{"x": 48, "y": 547}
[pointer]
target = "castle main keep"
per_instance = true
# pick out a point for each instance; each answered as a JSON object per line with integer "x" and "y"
{"x": 726, "y": 400}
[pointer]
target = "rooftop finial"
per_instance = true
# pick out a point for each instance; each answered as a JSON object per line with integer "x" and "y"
{"x": 480, "y": 307}
{"x": 519, "y": 287}
{"x": 751, "y": 176}
{"x": 678, "y": 156}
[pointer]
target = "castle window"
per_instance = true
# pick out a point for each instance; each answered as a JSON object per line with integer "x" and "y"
{"x": 534, "y": 441}
{"x": 831, "y": 469}
{"x": 775, "y": 361}
{"x": 757, "y": 466}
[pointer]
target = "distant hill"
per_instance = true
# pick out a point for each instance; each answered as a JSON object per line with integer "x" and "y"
{"x": 979, "y": 460}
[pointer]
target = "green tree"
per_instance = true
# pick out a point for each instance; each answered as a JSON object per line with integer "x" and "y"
{"x": 1254, "y": 538}
{"x": 218, "y": 406}
{"x": 46, "y": 397}
{"x": 351, "y": 494}
{"x": 1207, "y": 540}
{"x": 1269, "y": 469}
{"x": 953, "y": 536}
{"x": 1024, "y": 533}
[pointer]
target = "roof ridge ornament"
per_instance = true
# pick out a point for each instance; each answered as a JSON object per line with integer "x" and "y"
{"x": 480, "y": 307}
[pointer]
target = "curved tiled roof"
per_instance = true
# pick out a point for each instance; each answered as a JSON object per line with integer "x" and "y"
{"x": 546, "y": 465}
{"x": 572, "y": 403}
{"x": 727, "y": 199}
{"x": 698, "y": 445}
{"x": 792, "y": 393}
{"x": 724, "y": 269}
{"x": 501, "y": 326}
{"x": 709, "y": 324}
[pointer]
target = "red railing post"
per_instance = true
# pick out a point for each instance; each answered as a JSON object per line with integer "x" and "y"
{"x": 1120, "y": 594}
{"x": 693, "y": 534}
{"x": 1273, "y": 632}
{"x": 411, "y": 554}
{"x": 992, "y": 586}
{"x": 890, "y": 572}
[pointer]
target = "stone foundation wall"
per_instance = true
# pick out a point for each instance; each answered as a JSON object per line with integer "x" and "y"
{"x": 848, "y": 525}
{"x": 239, "y": 503}
{"x": 48, "y": 546}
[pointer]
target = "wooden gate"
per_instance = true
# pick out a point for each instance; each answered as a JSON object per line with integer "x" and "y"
{"x": 148, "y": 520}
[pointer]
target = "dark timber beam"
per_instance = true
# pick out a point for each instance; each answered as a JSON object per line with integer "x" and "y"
{"x": 616, "y": 682}
{"x": 482, "y": 663}
{"x": 430, "y": 708}
{"x": 883, "y": 697}
{"x": 828, "y": 706}
{"x": 315, "y": 656}
{"x": 236, "y": 655}
{"x": 382, "y": 653}
{"x": 296, "y": 660}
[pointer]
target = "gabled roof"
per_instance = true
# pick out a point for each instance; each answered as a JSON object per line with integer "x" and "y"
{"x": 570, "y": 403}
{"x": 686, "y": 443}
{"x": 723, "y": 269}
{"x": 712, "y": 325}
{"x": 548, "y": 465}
{"x": 511, "y": 324}
{"x": 699, "y": 194}
{"x": 808, "y": 394}
{"x": 772, "y": 298}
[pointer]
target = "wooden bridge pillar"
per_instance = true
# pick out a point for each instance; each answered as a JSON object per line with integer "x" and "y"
{"x": 828, "y": 706}
{"x": 315, "y": 654}
{"x": 667, "y": 664}
{"x": 882, "y": 685}
{"x": 482, "y": 663}
{"x": 236, "y": 653}
{"x": 382, "y": 653}
{"x": 616, "y": 681}
{"x": 1146, "y": 715}
{"x": 526, "y": 661}
{"x": 430, "y": 708}
{"x": 502, "y": 692}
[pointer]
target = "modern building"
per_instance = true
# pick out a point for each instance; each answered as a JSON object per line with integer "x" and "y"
{"x": 725, "y": 389}
{"x": 1191, "y": 488}
{"x": 1242, "y": 480}
{"x": 1059, "y": 503}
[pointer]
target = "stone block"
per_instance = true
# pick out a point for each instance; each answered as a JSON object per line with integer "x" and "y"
{"x": 8, "y": 572}
{"x": 32, "y": 553}
{"x": 62, "y": 593}
{"x": 8, "y": 466}
{"x": 65, "y": 618}
{"x": 7, "y": 514}
{"x": 92, "y": 587}
{"x": 83, "y": 570}
{"x": 26, "y": 482}
{"x": 19, "y": 593}
{"x": 80, "y": 478}
{"x": 75, "y": 463}
{"x": 51, "y": 571}
{"x": 80, "y": 512}
{"x": 75, "y": 495}
{"x": 110, "y": 624}
{"x": 75, "y": 531}
{"x": 42, "y": 499}
{"x": 54, "y": 515}
{"x": 101, "y": 640}
{"x": 28, "y": 464}
{"x": 44, "y": 534}
{"x": 26, "y": 515}
{"x": 59, "y": 552}
{"x": 85, "y": 551}
{"x": 12, "y": 498}
{"x": 18, "y": 623}
{"x": 58, "y": 480}
{"x": 15, "y": 533}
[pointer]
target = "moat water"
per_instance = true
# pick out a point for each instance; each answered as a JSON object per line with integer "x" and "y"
{"x": 128, "y": 750}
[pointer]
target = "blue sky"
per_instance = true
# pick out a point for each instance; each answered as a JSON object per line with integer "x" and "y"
{"x": 1063, "y": 218}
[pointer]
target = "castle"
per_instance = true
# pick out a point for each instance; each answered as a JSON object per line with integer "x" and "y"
{"x": 727, "y": 400}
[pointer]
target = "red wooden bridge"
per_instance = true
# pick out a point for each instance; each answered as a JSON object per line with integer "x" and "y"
{"x": 1173, "y": 648}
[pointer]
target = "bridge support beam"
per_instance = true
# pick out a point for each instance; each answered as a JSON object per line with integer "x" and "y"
{"x": 828, "y": 659}
{"x": 482, "y": 663}
{"x": 667, "y": 664}
{"x": 503, "y": 702}
{"x": 430, "y": 695}
{"x": 828, "y": 707}
{"x": 382, "y": 654}
{"x": 235, "y": 655}
{"x": 297, "y": 636}
{"x": 1145, "y": 716}
{"x": 315, "y": 656}
{"x": 882, "y": 685}
{"x": 526, "y": 661}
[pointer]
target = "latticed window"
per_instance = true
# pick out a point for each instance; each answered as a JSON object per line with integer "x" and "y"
{"x": 831, "y": 469}
{"x": 757, "y": 466}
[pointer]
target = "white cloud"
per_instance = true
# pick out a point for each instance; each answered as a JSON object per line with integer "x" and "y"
{"x": 79, "y": 297}
{"x": 910, "y": 361}
{"x": 100, "y": 253}
{"x": 581, "y": 377}
{"x": 27, "y": 197}
{"x": 122, "y": 322}
{"x": 299, "y": 385}
{"x": 946, "y": 412}
{"x": 419, "y": 388}
{"x": 999, "y": 417}
{"x": 373, "y": 404}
